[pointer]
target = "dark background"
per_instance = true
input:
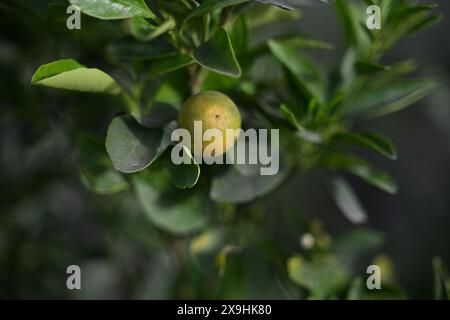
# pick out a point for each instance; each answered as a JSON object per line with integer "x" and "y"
{"x": 48, "y": 220}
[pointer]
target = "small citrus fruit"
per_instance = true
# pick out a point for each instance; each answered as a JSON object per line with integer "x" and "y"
{"x": 216, "y": 111}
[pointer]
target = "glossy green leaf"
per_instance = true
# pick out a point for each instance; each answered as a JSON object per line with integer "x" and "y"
{"x": 114, "y": 9}
{"x": 167, "y": 207}
{"x": 70, "y": 75}
{"x": 217, "y": 55}
{"x": 184, "y": 175}
{"x": 347, "y": 201}
{"x": 132, "y": 147}
{"x": 369, "y": 140}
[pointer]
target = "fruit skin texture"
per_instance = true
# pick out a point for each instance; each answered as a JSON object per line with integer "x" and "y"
{"x": 215, "y": 110}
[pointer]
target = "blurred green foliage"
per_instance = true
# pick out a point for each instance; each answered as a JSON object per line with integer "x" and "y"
{"x": 168, "y": 236}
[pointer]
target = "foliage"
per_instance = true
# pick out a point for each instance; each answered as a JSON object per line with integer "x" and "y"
{"x": 165, "y": 51}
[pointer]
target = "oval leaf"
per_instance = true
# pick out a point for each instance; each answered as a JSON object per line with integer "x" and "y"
{"x": 217, "y": 55}
{"x": 114, "y": 9}
{"x": 70, "y": 75}
{"x": 184, "y": 175}
{"x": 103, "y": 181}
{"x": 131, "y": 146}
{"x": 97, "y": 173}
{"x": 323, "y": 276}
{"x": 167, "y": 207}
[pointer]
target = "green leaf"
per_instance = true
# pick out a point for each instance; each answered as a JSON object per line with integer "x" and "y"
{"x": 303, "y": 133}
{"x": 370, "y": 140}
{"x": 145, "y": 31}
{"x": 291, "y": 4}
{"x": 131, "y": 146}
{"x": 347, "y": 201}
{"x": 235, "y": 187}
{"x": 290, "y": 116}
{"x": 388, "y": 98}
{"x": 404, "y": 20}
{"x": 323, "y": 276}
{"x": 441, "y": 279}
{"x": 160, "y": 114}
{"x": 305, "y": 72}
{"x": 97, "y": 173}
{"x": 103, "y": 182}
{"x": 262, "y": 16}
{"x": 302, "y": 42}
{"x": 114, "y": 9}
{"x": 217, "y": 55}
{"x": 239, "y": 35}
{"x": 184, "y": 175}
{"x": 358, "y": 291}
{"x": 70, "y": 75}
{"x": 284, "y": 4}
{"x": 209, "y": 6}
{"x": 351, "y": 18}
{"x": 363, "y": 67}
{"x": 425, "y": 23}
{"x": 169, "y": 64}
{"x": 358, "y": 241}
{"x": 361, "y": 169}
{"x": 167, "y": 207}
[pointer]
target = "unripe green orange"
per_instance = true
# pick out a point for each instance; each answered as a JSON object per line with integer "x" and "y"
{"x": 214, "y": 110}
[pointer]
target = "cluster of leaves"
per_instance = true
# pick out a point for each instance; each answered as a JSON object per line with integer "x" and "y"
{"x": 173, "y": 49}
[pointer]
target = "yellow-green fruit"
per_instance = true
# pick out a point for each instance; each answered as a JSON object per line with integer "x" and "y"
{"x": 214, "y": 110}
